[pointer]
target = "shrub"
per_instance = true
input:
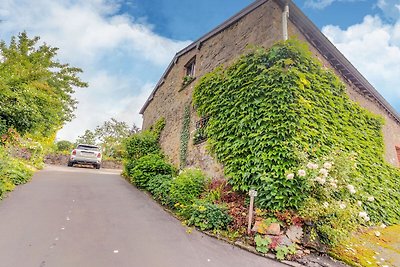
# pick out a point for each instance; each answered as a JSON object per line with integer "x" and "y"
{"x": 207, "y": 216}
{"x": 64, "y": 146}
{"x": 188, "y": 186}
{"x": 148, "y": 166}
{"x": 159, "y": 186}
{"x": 12, "y": 172}
{"x": 17, "y": 172}
{"x": 142, "y": 144}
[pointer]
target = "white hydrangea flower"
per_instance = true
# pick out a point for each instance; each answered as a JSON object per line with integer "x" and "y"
{"x": 371, "y": 199}
{"x": 362, "y": 214}
{"x": 326, "y": 204}
{"x": 324, "y": 172}
{"x": 351, "y": 189}
{"x": 359, "y": 203}
{"x": 367, "y": 219}
{"x": 383, "y": 226}
{"x": 377, "y": 233}
{"x": 327, "y": 165}
{"x": 342, "y": 206}
{"x": 312, "y": 166}
{"x": 302, "y": 173}
{"x": 334, "y": 185}
{"x": 290, "y": 176}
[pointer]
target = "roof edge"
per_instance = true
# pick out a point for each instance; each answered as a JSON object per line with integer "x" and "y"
{"x": 198, "y": 42}
{"x": 336, "y": 58}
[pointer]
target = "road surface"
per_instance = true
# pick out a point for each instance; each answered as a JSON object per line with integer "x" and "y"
{"x": 77, "y": 217}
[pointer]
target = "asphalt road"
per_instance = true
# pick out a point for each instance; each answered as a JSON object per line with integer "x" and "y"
{"x": 77, "y": 217}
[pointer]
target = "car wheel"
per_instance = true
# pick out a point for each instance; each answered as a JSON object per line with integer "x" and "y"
{"x": 70, "y": 164}
{"x": 98, "y": 166}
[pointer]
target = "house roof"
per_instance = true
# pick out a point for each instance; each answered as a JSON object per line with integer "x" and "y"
{"x": 313, "y": 35}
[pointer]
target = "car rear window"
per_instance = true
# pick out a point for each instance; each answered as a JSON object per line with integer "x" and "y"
{"x": 91, "y": 148}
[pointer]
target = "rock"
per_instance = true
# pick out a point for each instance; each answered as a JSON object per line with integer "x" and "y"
{"x": 307, "y": 251}
{"x": 273, "y": 229}
{"x": 295, "y": 233}
{"x": 286, "y": 241}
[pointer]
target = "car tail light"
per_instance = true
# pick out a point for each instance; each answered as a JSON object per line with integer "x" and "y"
{"x": 99, "y": 155}
{"x": 74, "y": 152}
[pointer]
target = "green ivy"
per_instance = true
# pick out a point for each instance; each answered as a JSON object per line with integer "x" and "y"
{"x": 185, "y": 136}
{"x": 271, "y": 104}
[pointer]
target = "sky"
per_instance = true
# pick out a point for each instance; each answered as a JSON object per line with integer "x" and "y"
{"x": 125, "y": 46}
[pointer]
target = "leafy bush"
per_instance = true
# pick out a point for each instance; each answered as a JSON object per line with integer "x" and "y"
{"x": 207, "y": 216}
{"x": 148, "y": 166}
{"x": 17, "y": 172}
{"x": 141, "y": 144}
{"x": 12, "y": 172}
{"x": 188, "y": 186}
{"x": 270, "y": 104}
{"x": 159, "y": 186}
{"x": 64, "y": 146}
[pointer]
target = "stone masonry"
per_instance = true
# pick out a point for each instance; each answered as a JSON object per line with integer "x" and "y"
{"x": 261, "y": 27}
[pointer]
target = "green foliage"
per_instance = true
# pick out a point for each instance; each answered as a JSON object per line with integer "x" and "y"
{"x": 35, "y": 89}
{"x": 158, "y": 127}
{"x": 141, "y": 144}
{"x": 88, "y": 138}
{"x": 12, "y": 172}
{"x": 207, "y": 216}
{"x": 270, "y": 104}
{"x": 187, "y": 80}
{"x": 187, "y": 186}
{"x": 17, "y": 172}
{"x": 185, "y": 137}
{"x": 159, "y": 186}
{"x": 262, "y": 243}
{"x": 64, "y": 146}
{"x": 283, "y": 251}
{"x": 199, "y": 135}
{"x": 148, "y": 166}
{"x": 144, "y": 142}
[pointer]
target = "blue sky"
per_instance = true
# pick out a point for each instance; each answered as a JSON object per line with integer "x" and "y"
{"x": 124, "y": 46}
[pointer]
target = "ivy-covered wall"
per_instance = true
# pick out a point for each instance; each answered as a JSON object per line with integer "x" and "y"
{"x": 271, "y": 105}
{"x": 169, "y": 101}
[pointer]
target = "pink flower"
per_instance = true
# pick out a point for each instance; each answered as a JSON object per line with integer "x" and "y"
{"x": 290, "y": 176}
{"x": 302, "y": 173}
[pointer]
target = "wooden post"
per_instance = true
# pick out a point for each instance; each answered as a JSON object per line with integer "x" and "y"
{"x": 252, "y": 194}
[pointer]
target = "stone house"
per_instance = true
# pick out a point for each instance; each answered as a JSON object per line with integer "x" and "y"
{"x": 262, "y": 23}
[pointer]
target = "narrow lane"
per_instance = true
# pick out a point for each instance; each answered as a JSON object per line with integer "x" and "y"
{"x": 76, "y": 217}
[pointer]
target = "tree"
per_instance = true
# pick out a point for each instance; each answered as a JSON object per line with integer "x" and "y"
{"x": 35, "y": 89}
{"x": 88, "y": 137}
{"x": 64, "y": 145}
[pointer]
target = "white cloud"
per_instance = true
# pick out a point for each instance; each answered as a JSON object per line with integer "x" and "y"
{"x": 391, "y": 8}
{"x": 91, "y": 34}
{"x": 373, "y": 46}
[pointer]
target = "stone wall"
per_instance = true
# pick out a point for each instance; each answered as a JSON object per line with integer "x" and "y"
{"x": 262, "y": 27}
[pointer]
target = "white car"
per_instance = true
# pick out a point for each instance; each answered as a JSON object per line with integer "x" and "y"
{"x": 87, "y": 155}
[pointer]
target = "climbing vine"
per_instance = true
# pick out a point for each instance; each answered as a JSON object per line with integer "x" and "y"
{"x": 272, "y": 105}
{"x": 185, "y": 136}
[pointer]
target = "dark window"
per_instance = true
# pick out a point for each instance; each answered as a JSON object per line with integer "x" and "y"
{"x": 398, "y": 153}
{"x": 190, "y": 68}
{"x": 200, "y": 134}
